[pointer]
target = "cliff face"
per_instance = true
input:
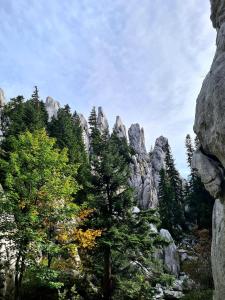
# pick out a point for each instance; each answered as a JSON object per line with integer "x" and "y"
{"x": 209, "y": 160}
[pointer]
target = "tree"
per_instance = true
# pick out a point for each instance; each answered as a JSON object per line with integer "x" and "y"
{"x": 171, "y": 194}
{"x": 125, "y": 250}
{"x": 68, "y": 133}
{"x": 166, "y": 198}
{"x": 39, "y": 186}
{"x": 200, "y": 202}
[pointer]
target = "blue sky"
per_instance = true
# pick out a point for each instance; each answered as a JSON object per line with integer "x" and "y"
{"x": 144, "y": 60}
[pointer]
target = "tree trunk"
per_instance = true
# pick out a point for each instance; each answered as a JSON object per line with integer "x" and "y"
{"x": 107, "y": 285}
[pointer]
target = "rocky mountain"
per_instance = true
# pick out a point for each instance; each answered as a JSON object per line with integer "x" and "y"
{"x": 209, "y": 159}
{"x": 52, "y": 107}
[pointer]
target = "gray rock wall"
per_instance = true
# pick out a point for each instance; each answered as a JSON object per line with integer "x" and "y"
{"x": 209, "y": 160}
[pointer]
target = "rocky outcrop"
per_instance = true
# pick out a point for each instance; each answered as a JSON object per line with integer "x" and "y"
{"x": 137, "y": 139}
{"x": 52, "y": 107}
{"x": 170, "y": 254}
{"x": 158, "y": 158}
{"x": 102, "y": 121}
{"x": 141, "y": 169}
{"x": 2, "y": 98}
{"x": 209, "y": 160}
{"x": 218, "y": 249}
{"x": 120, "y": 129}
{"x": 85, "y": 130}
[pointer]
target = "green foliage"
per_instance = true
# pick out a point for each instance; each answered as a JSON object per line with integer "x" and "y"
{"x": 68, "y": 133}
{"x": 171, "y": 197}
{"x": 122, "y": 264}
{"x": 199, "y": 295}
{"x": 38, "y": 196}
{"x": 200, "y": 202}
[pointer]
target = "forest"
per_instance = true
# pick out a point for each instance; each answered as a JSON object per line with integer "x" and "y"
{"x": 72, "y": 223}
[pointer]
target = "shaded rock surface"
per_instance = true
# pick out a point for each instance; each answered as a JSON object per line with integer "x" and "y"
{"x": 218, "y": 249}
{"x": 209, "y": 160}
{"x": 170, "y": 254}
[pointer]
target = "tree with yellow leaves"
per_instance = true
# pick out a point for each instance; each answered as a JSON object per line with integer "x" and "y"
{"x": 40, "y": 189}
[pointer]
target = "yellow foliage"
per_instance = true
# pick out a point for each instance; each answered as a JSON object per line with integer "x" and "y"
{"x": 22, "y": 204}
{"x": 84, "y": 214}
{"x": 86, "y": 239}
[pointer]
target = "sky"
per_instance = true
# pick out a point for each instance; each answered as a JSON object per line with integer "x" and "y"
{"x": 144, "y": 60}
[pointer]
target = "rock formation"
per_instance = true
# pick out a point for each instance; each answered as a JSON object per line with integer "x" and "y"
{"x": 209, "y": 160}
{"x": 2, "y": 98}
{"x": 102, "y": 121}
{"x": 158, "y": 158}
{"x": 85, "y": 130}
{"x": 170, "y": 254}
{"x": 52, "y": 107}
{"x": 141, "y": 169}
{"x": 119, "y": 128}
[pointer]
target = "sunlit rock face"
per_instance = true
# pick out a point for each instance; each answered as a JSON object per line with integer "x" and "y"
{"x": 209, "y": 160}
{"x": 141, "y": 169}
{"x": 102, "y": 121}
{"x": 52, "y": 107}
{"x": 2, "y": 98}
{"x": 119, "y": 128}
{"x": 85, "y": 131}
{"x": 158, "y": 158}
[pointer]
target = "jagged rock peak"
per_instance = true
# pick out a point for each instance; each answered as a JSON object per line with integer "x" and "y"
{"x": 137, "y": 138}
{"x": 119, "y": 128}
{"x": 217, "y": 12}
{"x": 2, "y": 97}
{"x": 158, "y": 154}
{"x": 102, "y": 121}
{"x": 85, "y": 130}
{"x": 52, "y": 107}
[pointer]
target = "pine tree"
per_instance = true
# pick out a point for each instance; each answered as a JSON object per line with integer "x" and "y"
{"x": 68, "y": 133}
{"x": 166, "y": 198}
{"x": 127, "y": 241}
{"x": 189, "y": 149}
{"x": 95, "y": 135}
{"x": 176, "y": 187}
{"x": 200, "y": 202}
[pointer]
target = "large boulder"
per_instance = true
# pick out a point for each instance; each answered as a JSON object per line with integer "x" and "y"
{"x": 170, "y": 254}
{"x": 209, "y": 160}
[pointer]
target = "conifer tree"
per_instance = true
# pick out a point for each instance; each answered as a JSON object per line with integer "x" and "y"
{"x": 126, "y": 246}
{"x": 176, "y": 188}
{"x": 68, "y": 133}
{"x": 200, "y": 202}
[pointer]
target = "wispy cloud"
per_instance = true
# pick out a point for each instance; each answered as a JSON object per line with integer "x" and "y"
{"x": 144, "y": 60}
